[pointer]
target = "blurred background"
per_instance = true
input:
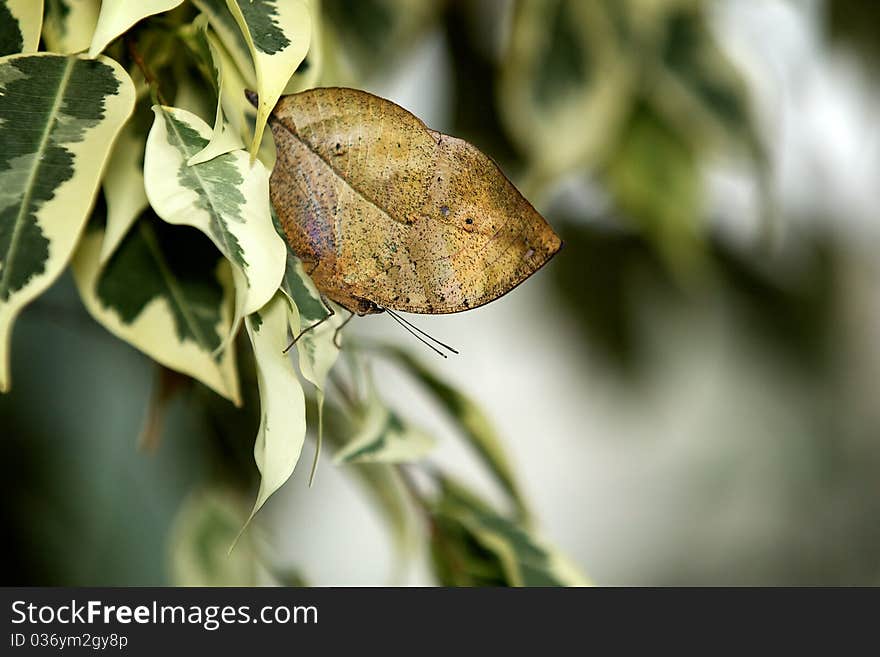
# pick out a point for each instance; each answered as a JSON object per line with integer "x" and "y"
{"x": 686, "y": 391}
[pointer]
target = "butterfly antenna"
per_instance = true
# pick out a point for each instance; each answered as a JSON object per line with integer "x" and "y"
{"x": 412, "y": 327}
{"x": 416, "y": 335}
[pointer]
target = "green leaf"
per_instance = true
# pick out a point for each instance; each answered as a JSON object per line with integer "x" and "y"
{"x": 479, "y": 534}
{"x": 227, "y": 198}
{"x": 283, "y": 416}
{"x": 167, "y": 292}
{"x": 470, "y": 419}
{"x": 68, "y": 25}
{"x": 564, "y": 84}
{"x": 382, "y": 437}
{"x": 277, "y": 34}
{"x": 58, "y": 119}
{"x": 118, "y": 15}
{"x": 205, "y": 525}
{"x": 224, "y": 137}
{"x": 20, "y": 23}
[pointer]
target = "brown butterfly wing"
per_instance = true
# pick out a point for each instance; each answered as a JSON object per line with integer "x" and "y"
{"x": 394, "y": 214}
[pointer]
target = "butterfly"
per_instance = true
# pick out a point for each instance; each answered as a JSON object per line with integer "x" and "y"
{"x": 387, "y": 214}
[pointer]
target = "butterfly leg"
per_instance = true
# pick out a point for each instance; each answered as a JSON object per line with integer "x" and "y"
{"x": 330, "y": 313}
{"x": 339, "y": 328}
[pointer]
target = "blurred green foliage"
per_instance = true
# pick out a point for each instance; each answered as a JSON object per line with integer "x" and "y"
{"x": 634, "y": 96}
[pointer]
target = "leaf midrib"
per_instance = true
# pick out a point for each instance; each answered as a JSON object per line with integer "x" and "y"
{"x": 29, "y": 186}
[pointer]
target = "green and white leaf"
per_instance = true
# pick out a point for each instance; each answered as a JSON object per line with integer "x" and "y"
{"x": 317, "y": 352}
{"x": 59, "y": 117}
{"x": 382, "y": 437}
{"x": 283, "y": 405}
{"x": 227, "y": 198}
{"x": 230, "y": 35}
{"x": 358, "y": 38}
{"x": 316, "y": 346}
{"x": 696, "y": 85}
{"x": 68, "y": 25}
{"x": 382, "y": 482}
{"x": 309, "y": 71}
{"x": 240, "y": 114}
{"x": 123, "y": 182}
{"x": 224, "y": 137}
{"x": 167, "y": 292}
{"x": 525, "y": 559}
{"x": 564, "y": 84}
{"x": 118, "y": 15}
{"x": 472, "y": 422}
{"x": 198, "y": 547}
{"x": 20, "y": 24}
{"x": 277, "y": 34}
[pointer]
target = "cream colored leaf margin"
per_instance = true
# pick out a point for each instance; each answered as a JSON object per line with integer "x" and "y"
{"x": 563, "y": 116}
{"x": 384, "y": 438}
{"x": 28, "y": 14}
{"x": 225, "y": 137}
{"x": 278, "y": 34}
{"x": 153, "y": 330}
{"x": 526, "y": 559}
{"x": 200, "y": 535}
{"x": 118, "y": 15}
{"x": 123, "y": 186}
{"x": 68, "y": 25}
{"x": 227, "y": 198}
{"x": 53, "y": 220}
{"x": 475, "y": 427}
{"x": 231, "y": 37}
{"x": 316, "y": 346}
{"x": 283, "y": 404}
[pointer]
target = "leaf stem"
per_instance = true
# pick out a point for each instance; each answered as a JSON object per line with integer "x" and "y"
{"x": 145, "y": 71}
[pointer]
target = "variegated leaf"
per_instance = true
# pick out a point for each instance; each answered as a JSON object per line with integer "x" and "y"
{"x": 317, "y": 330}
{"x": 227, "y": 198}
{"x": 695, "y": 84}
{"x": 277, "y": 34}
{"x": 362, "y": 36}
{"x": 381, "y": 481}
{"x": 224, "y": 25}
{"x": 525, "y": 559}
{"x": 472, "y": 421}
{"x": 283, "y": 406}
{"x": 20, "y": 23}
{"x": 382, "y": 437}
{"x": 68, "y": 25}
{"x": 565, "y": 83}
{"x": 58, "y": 119}
{"x": 123, "y": 182}
{"x": 224, "y": 137}
{"x": 118, "y": 15}
{"x": 205, "y": 525}
{"x": 309, "y": 71}
{"x": 167, "y": 292}
{"x": 316, "y": 348}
